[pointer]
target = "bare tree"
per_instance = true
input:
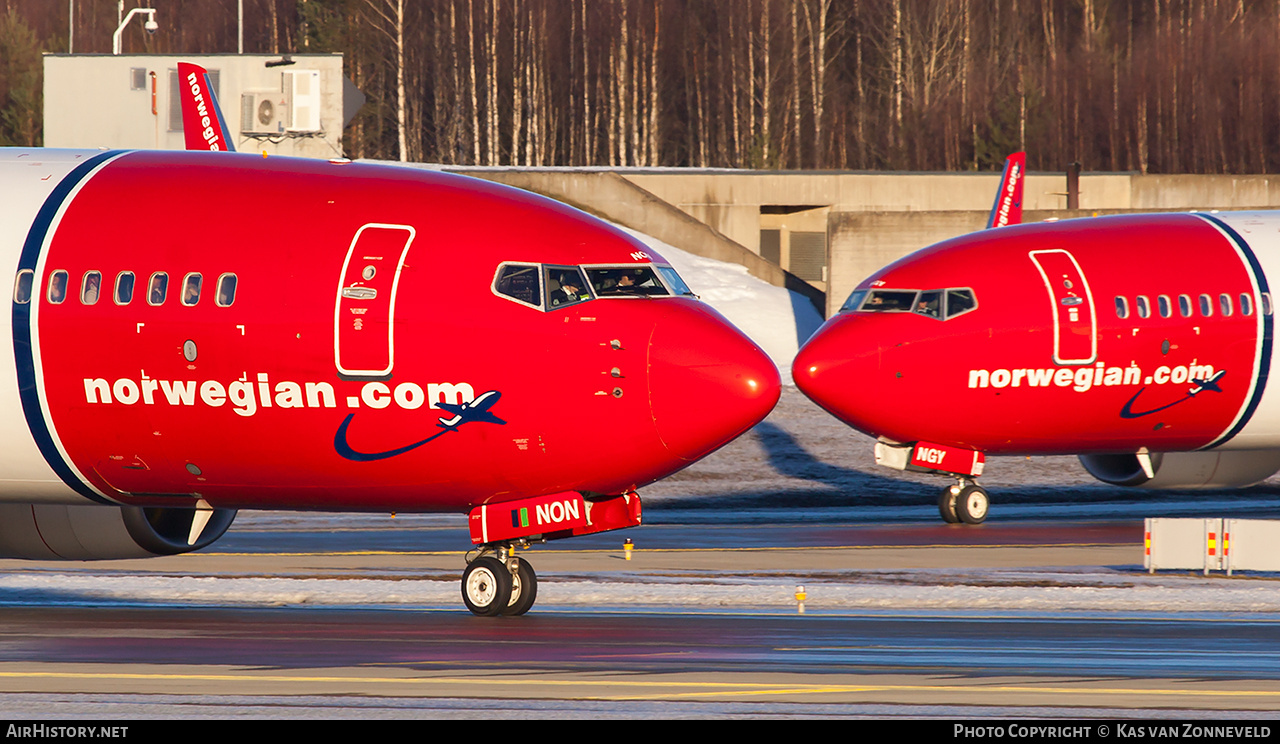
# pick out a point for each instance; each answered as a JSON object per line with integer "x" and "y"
{"x": 389, "y": 19}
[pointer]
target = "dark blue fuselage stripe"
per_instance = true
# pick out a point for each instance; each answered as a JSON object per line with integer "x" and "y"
{"x": 22, "y": 331}
{"x": 1264, "y": 362}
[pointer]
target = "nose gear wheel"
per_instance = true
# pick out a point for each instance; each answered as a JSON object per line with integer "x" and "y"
{"x": 524, "y": 589}
{"x": 972, "y": 504}
{"x": 486, "y": 586}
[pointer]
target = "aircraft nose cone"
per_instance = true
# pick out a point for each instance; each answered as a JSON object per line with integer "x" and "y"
{"x": 708, "y": 383}
{"x": 832, "y": 369}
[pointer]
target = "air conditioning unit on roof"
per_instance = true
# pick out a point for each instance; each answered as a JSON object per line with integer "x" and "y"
{"x": 303, "y": 89}
{"x": 263, "y": 112}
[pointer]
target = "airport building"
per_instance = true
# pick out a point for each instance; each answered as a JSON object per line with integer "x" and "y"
{"x": 283, "y": 105}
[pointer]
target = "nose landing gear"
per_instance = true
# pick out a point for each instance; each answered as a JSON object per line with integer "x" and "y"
{"x": 966, "y": 501}
{"x": 496, "y": 581}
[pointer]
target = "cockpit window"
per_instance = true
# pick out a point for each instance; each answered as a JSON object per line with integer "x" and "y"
{"x": 629, "y": 281}
{"x": 960, "y": 301}
{"x": 942, "y": 304}
{"x": 890, "y": 301}
{"x": 674, "y": 281}
{"x": 520, "y": 282}
{"x": 565, "y": 286}
{"x": 854, "y": 301}
{"x": 553, "y": 287}
{"x": 930, "y": 303}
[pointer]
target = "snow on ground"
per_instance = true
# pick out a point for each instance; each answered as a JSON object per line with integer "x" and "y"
{"x": 1004, "y": 591}
{"x": 776, "y": 318}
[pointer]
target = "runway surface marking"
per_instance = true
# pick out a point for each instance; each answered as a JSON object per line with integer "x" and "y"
{"x": 673, "y": 688}
{"x": 612, "y": 551}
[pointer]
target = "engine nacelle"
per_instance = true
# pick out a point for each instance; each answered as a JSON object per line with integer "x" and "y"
{"x": 1189, "y": 470}
{"x": 88, "y": 533}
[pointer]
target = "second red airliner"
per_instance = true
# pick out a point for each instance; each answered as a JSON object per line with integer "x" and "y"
{"x": 1141, "y": 343}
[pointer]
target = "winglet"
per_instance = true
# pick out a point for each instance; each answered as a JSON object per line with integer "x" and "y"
{"x": 1007, "y": 209}
{"x": 202, "y": 122}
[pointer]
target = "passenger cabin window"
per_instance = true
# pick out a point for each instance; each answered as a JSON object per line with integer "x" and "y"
{"x": 1184, "y": 305}
{"x": 124, "y": 287}
{"x": 520, "y": 282}
{"x": 1206, "y": 305}
{"x": 1144, "y": 307}
{"x": 565, "y": 286}
{"x": 1266, "y": 303}
{"x": 191, "y": 289}
{"x": 90, "y": 287}
{"x": 57, "y": 287}
{"x": 226, "y": 290}
{"x": 22, "y": 287}
{"x": 1224, "y": 304}
{"x": 1246, "y": 304}
{"x": 157, "y": 288}
{"x": 1122, "y": 307}
{"x": 628, "y": 281}
{"x": 1165, "y": 305}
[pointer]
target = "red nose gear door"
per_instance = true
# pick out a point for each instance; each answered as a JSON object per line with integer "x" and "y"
{"x": 1075, "y": 325}
{"x": 364, "y": 315}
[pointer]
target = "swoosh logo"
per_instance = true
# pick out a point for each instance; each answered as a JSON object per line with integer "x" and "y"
{"x": 345, "y": 449}
{"x": 1128, "y": 412}
{"x": 1201, "y": 386}
{"x": 476, "y": 411}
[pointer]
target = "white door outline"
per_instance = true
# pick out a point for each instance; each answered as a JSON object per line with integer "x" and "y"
{"x": 1066, "y": 302}
{"x": 354, "y": 293}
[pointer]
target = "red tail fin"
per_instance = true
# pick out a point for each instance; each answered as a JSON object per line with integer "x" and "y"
{"x": 202, "y": 122}
{"x": 1007, "y": 209}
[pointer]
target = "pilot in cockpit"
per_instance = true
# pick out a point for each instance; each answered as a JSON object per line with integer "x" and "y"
{"x": 570, "y": 289}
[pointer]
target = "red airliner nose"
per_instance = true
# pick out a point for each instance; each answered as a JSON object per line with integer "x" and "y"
{"x": 708, "y": 383}
{"x": 837, "y": 368}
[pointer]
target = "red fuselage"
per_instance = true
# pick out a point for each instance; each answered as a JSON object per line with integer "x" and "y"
{"x": 1103, "y": 335}
{"x": 368, "y": 358}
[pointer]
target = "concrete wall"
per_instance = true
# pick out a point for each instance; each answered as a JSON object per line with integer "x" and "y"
{"x": 730, "y": 201}
{"x": 90, "y": 101}
{"x": 612, "y": 197}
{"x": 1204, "y": 192}
{"x": 859, "y": 243}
